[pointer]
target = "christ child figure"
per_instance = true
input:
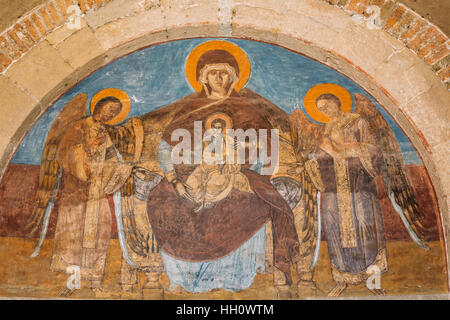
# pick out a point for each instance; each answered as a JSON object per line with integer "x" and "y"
{"x": 214, "y": 179}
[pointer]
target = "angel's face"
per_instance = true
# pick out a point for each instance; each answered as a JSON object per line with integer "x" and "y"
{"x": 107, "y": 112}
{"x": 328, "y": 108}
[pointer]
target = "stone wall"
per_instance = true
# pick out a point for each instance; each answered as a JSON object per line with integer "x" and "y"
{"x": 402, "y": 62}
{"x": 418, "y": 34}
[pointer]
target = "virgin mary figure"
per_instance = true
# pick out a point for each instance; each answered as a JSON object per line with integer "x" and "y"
{"x": 221, "y": 246}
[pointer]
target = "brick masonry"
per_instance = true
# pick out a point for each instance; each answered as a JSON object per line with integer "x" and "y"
{"x": 33, "y": 27}
{"x": 418, "y": 34}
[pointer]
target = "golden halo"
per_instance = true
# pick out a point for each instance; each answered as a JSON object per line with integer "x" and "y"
{"x": 119, "y": 94}
{"x": 219, "y": 115}
{"x": 240, "y": 56}
{"x": 312, "y": 95}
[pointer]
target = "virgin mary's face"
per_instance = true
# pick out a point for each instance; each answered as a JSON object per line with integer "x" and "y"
{"x": 218, "y": 77}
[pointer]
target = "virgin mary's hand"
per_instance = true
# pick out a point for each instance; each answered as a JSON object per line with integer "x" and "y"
{"x": 182, "y": 190}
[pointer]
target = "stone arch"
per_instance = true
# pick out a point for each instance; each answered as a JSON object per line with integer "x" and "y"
{"x": 394, "y": 75}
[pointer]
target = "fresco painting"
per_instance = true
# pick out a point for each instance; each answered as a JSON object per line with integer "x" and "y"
{"x": 218, "y": 168}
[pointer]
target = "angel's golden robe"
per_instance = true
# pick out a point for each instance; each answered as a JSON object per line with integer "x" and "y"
{"x": 83, "y": 229}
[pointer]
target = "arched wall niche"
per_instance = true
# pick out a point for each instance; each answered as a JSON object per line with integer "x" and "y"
{"x": 412, "y": 94}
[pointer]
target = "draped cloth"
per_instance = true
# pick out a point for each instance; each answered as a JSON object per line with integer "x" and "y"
{"x": 233, "y": 272}
{"x": 215, "y": 232}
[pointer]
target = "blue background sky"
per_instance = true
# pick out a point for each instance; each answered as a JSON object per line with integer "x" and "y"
{"x": 155, "y": 77}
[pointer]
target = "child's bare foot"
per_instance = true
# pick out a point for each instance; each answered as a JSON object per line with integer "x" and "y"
{"x": 66, "y": 292}
{"x": 198, "y": 209}
{"x": 378, "y": 292}
{"x": 177, "y": 289}
{"x": 337, "y": 290}
{"x": 127, "y": 288}
{"x": 96, "y": 286}
{"x": 208, "y": 205}
{"x": 306, "y": 288}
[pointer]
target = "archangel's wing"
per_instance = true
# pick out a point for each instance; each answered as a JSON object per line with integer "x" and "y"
{"x": 50, "y": 172}
{"x": 394, "y": 175}
{"x": 127, "y": 139}
{"x": 306, "y": 136}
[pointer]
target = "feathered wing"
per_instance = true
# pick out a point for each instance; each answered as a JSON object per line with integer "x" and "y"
{"x": 306, "y": 136}
{"x": 394, "y": 175}
{"x": 126, "y": 139}
{"x": 50, "y": 171}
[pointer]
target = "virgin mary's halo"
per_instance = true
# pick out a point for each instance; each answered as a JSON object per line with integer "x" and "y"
{"x": 221, "y": 52}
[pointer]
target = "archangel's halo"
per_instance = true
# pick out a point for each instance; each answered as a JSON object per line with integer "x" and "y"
{"x": 312, "y": 95}
{"x": 240, "y": 56}
{"x": 119, "y": 94}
